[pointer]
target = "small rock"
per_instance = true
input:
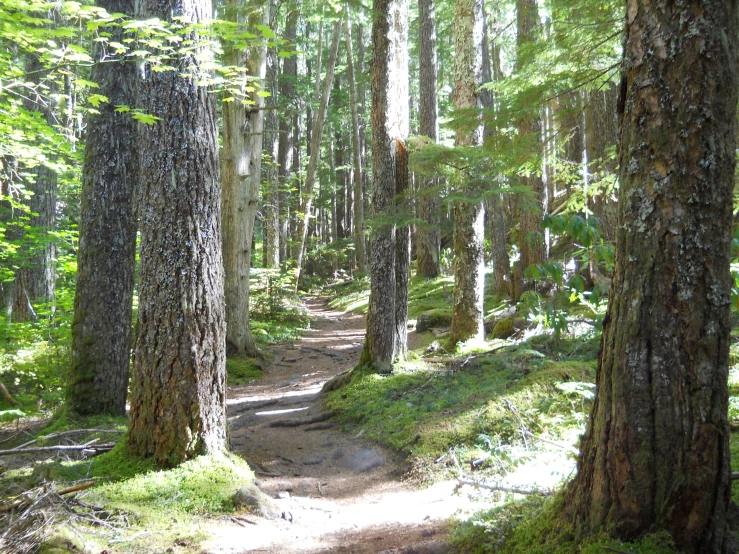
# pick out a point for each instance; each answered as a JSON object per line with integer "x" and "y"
{"x": 363, "y": 461}
{"x": 283, "y": 495}
{"x": 428, "y": 532}
{"x": 311, "y": 460}
{"x": 254, "y": 499}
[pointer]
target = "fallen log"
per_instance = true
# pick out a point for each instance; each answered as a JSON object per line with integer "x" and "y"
{"x": 299, "y": 422}
{"x": 60, "y": 447}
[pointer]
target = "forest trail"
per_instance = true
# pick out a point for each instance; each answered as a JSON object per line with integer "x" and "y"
{"x": 333, "y": 491}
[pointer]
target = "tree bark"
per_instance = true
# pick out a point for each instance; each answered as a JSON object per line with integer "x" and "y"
{"x": 601, "y": 128}
{"x": 531, "y": 209}
{"x": 361, "y": 255}
{"x": 469, "y": 254}
{"x": 390, "y": 125}
{"x": 178, "y": 404}
{"x": 494, "y": 211}
{"x": 306, "y": 201}
{"x": 271, "y": 220}
{"x": 428, "y": 242}
{"x": 656, "y": 452}
{"x": 286, "y": 150}
{"x": 242, "y": 168}
{"x": 103, "y": 302}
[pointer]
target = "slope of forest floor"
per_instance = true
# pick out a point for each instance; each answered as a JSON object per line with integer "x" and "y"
{"x": 435, "y": 457}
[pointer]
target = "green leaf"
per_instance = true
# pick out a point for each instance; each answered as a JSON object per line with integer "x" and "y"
{"x": 96, "y": 99}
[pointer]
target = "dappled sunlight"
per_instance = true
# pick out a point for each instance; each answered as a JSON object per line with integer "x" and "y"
{"x": 281, "y": 412}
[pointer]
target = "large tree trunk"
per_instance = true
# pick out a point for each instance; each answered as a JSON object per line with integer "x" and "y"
{"x": 242, "y": 168}
{"x": 178, "y": 404}
{"x": 469, "y": 229}
{"x": 361, "y": 255}
{"x": 390, "y": 115}
{"x": 101, "y": 330}
{"x": 656, "y": 452}
{"x": 531, "y": 209}
{"x": 428, "y": 242}
{"x": 306, "y": 200}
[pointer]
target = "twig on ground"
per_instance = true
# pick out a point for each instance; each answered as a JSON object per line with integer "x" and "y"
{"x": 515, "y": 490}
{"x": 566, "y": 447}
{"x": 514, "y": 411}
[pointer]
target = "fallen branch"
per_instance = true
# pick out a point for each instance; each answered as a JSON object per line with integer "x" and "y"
{"x": 734, "y": 476}
{"x": 24, "y": 503}
{"x": 467, "y": 359}
{"x": 502, "y": 488}
{"x": 67, "y": 433}
{"x": 59, "y": 447}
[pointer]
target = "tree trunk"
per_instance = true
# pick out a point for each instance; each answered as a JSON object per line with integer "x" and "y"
{"x": 35, "y": 279}
{"x": 428, "y": 242}
{"x": 656, "y": 453}
{"x": 494, "y": 211}
{"x": 306, "y": 201}
{"x": 101, "y": 330}
{"x": 178, "y": 404}
{"x": 271, "y": 221}
{"x": 389, "y": 76}
{"x": 288, "y": 115}
{"x": 242, "y": 167}
{"x": 601, "y": 127}
{"x": 357, "y": 155}
{"x": 469, "y": 229}
{"x": 531, "y": 208}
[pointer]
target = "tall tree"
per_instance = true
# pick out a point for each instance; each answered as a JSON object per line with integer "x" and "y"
{"x": 306, "y": 200}
{"x": 656, "y": 452}
{"x": 101, "y": 330}
{"x": 427, "y": 233}
{"x": 356, "y": 154}
{"x": 178, "y": 401}
{"x": 531, "y": 208}
{"x": 242, "y": 169}
{"x": 469, "y": 214}
{"x": 390, "y": 127}
{"x": 288, "y": 143}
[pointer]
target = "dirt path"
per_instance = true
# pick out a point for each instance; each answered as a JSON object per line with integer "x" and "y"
{"x": 335, "y": 492}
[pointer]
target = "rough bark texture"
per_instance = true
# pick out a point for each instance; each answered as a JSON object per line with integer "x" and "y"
{"x": 306, "y": 197}
{"x": 469, "y": 229}
{"x": 390, "y": 115}
{"x": 101, "y": 330}
{"x": 656, "y": 453}
{"x": 428, "y": 242}
{"x": 531, "y": 210}
{"x": 361, "y": 255}
{"x": 402, "y": 251}
{"x": 178, "y": 404}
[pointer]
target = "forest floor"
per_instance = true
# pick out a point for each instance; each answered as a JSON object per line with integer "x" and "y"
{"x": 335, "y": 492}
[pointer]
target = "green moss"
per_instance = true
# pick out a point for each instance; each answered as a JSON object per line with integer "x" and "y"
{"x": 536, "y": 525}
{"x": 424, "y": 410}
{"x": 240, "y": 371}
{"x": 203, "y": 484}
{"x": 503, "y": 328}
